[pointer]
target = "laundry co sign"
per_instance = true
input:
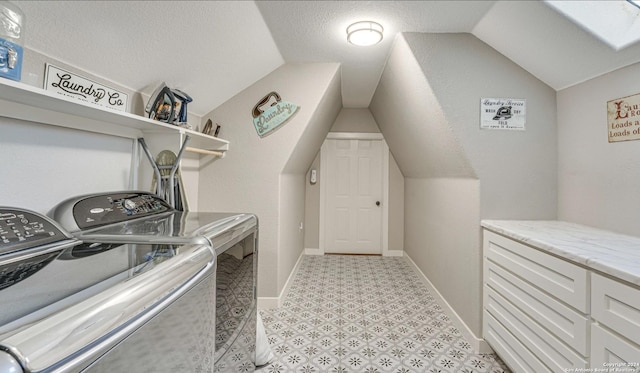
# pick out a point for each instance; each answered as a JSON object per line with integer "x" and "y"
{"x": 623, "y": 118}
{"x": 271, "y": 113}
{"x": 75, "y": 86}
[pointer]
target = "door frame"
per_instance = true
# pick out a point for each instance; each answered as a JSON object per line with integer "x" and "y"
{"x": 385, "y": 185}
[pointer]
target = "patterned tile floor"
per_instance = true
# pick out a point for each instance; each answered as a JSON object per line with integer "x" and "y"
{"x": 365, "y": 314}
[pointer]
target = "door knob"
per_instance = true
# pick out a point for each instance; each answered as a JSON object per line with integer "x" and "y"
{"x": 377, "y": 203}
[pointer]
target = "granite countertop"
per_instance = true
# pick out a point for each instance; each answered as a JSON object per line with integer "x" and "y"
{"x": 615, "y": 254}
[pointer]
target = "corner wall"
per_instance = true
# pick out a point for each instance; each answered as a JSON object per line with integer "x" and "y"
{"x": 265, "y": 175}
{"x": 598, "y": 181}
{"x": 427, "y": 105}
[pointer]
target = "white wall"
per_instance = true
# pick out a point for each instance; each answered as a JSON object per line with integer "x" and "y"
{"x": 441, "y": 237}
{"x": 43, "y": 165}
{"x": 291, "y": 216}
{"x": 427, "y": 105}
{"x": 265, "y": 175}
{"x": 396, "y": 206}
{"x": 598, "y": 181}
{"x": 517, "y": 169}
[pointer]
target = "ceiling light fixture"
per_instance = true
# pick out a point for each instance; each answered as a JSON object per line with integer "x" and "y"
{"x": 364, "y": 33}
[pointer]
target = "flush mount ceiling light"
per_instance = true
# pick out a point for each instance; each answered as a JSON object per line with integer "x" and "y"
{"x": 364, "y": 33}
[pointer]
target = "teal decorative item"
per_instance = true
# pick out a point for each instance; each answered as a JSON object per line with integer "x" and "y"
{"x": 274, "y": 116}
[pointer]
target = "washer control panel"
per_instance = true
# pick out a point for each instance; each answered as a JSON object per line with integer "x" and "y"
{"x": 22, "y": 229}
{"x": 98, "y": 210}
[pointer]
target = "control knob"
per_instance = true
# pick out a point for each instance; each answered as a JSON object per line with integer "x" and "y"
{"x": 129, "y": 204}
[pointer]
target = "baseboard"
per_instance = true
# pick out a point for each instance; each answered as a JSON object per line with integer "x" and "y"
{"x": 479, "y": 345}
{"x": 393, "y": 253}
{"x": 314, "y": 251}
{"x": 265, "y": 303}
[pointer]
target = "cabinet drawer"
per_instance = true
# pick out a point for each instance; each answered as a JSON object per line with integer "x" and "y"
{"x": 545, "y": 346}
{"x": 615, "y": 353}
{"x": 565, "y": 323}
{"x": 617, "y": 306}
{"x": 561, "y": 279}
{"x": 509, "y": 348}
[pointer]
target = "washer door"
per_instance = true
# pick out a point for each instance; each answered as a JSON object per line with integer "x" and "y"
{"x": 164, "y": 301}
{"x": 178, "y": 339}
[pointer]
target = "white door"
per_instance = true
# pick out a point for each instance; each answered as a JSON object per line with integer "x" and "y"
{"x": 353, "y": 196}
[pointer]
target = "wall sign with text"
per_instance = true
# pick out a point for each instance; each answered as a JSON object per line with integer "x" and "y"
{"x": 271, "y": 113}
{"x": 72, "y": 85}
{"x": 503, "y": 113}
{"x": 623, "y": 118}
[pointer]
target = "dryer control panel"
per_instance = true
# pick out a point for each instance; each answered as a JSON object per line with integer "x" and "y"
{"x": 97, "y": 210}
{"x": 22, "y": 229}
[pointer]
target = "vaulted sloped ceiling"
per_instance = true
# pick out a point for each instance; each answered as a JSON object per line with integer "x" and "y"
{"x": 215, "y": 49}
{"x": 410, "y": 115}
{"x": 548, "y": 45}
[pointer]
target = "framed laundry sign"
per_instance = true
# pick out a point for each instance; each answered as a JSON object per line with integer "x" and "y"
{"x": 623, "y": 118}
{"x": 271, "y": 113}
{"x": 83, "y": 89}
{"x": 503, "y": 113}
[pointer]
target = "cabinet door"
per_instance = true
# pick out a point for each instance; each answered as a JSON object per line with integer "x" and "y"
{"x": 617, "y": 306}
{"x": 613, "y": 352}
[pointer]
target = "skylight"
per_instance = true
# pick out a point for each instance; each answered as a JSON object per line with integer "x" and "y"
{"x": 616, "y": 23}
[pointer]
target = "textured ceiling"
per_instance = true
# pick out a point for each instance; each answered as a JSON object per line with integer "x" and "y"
{"x": 315, "y": 31}
{"x": 215, "y": 49}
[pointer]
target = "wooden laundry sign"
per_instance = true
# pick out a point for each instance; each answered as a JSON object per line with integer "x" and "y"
{"x": 623, "y": 118}
{"x": 276, "y": 114}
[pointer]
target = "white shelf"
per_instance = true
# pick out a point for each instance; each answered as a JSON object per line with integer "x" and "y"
{"x": 21, "y": 101}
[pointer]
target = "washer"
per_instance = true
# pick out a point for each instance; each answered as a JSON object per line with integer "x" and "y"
{"x": 71, "y": 307}
{"x": 143, "y": 218}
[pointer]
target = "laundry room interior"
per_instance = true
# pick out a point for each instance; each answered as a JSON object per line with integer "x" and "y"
{"x": 475, "y": 170}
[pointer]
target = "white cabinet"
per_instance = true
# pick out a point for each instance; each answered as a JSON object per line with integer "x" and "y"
{"x": 535, "y": 307}
{"x": 543, "y": 313}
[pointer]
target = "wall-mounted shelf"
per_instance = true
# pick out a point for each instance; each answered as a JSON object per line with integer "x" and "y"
{"x": 21, "y": 101}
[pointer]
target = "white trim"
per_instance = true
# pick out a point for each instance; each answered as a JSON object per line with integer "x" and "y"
{"x": 276, "y": 302}
{"x": 314, "y": 251}
{"x": 385, "y": 187}
{"x": 393, "y": 253}
{"x": 355, "y": 136}
{"x": 268, "y": 303}
{"x": 479, "y": 345}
